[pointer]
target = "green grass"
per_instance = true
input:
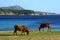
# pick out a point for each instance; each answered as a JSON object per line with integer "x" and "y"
{"x": 33, "y": 35}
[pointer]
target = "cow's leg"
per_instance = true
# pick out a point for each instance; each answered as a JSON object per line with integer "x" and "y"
{"x": 43, "y": 29}
{"x": 15, "y": 32}
{"x": 22, "y": 32}
{"x": 27, "y": 32}
{"x": 39, "y": 28}
{"x": 48, "y": 28}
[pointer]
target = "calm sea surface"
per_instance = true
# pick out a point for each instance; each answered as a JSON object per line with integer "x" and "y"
{"x": 32, "y": 22}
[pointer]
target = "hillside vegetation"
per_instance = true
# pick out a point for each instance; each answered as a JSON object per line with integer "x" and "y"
{"x": 17, "y": 10}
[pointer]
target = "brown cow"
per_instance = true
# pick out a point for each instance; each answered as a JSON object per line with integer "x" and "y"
{"x": 43, "y": 25}
{"x": 20, "y": 28}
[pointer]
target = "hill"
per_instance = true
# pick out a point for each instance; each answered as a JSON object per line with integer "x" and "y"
{"x": 12, "y": 8}
{"x": 17, "y": 10}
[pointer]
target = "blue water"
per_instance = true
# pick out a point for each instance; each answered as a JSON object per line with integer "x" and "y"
{"x": 32, "y": 22}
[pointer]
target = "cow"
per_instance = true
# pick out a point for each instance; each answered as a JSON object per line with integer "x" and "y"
{"x": 21, "y": 28}
{"x": 43, "y": 25}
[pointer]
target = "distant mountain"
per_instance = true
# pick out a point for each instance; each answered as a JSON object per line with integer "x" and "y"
{"x": 44, "y": 13}
{"x": 18, "y": 10}
{"x": 13, "y": 8}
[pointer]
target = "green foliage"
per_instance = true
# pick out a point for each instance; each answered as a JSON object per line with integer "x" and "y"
{"x": 17, "y": 12}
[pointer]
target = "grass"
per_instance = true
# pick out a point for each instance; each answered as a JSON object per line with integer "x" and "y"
{"x": 34, "y": 35}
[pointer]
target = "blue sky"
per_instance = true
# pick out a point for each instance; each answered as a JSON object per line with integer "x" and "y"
{"x": 37, "y": 5}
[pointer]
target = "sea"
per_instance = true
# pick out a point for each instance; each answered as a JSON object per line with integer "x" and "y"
{"x": 32, "y": 22}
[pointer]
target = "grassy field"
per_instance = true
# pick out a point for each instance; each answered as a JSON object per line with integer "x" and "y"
{"x": 34, "y": 35}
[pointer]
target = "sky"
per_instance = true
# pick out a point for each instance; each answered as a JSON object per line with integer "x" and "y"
{"x": 36, "y": 5}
